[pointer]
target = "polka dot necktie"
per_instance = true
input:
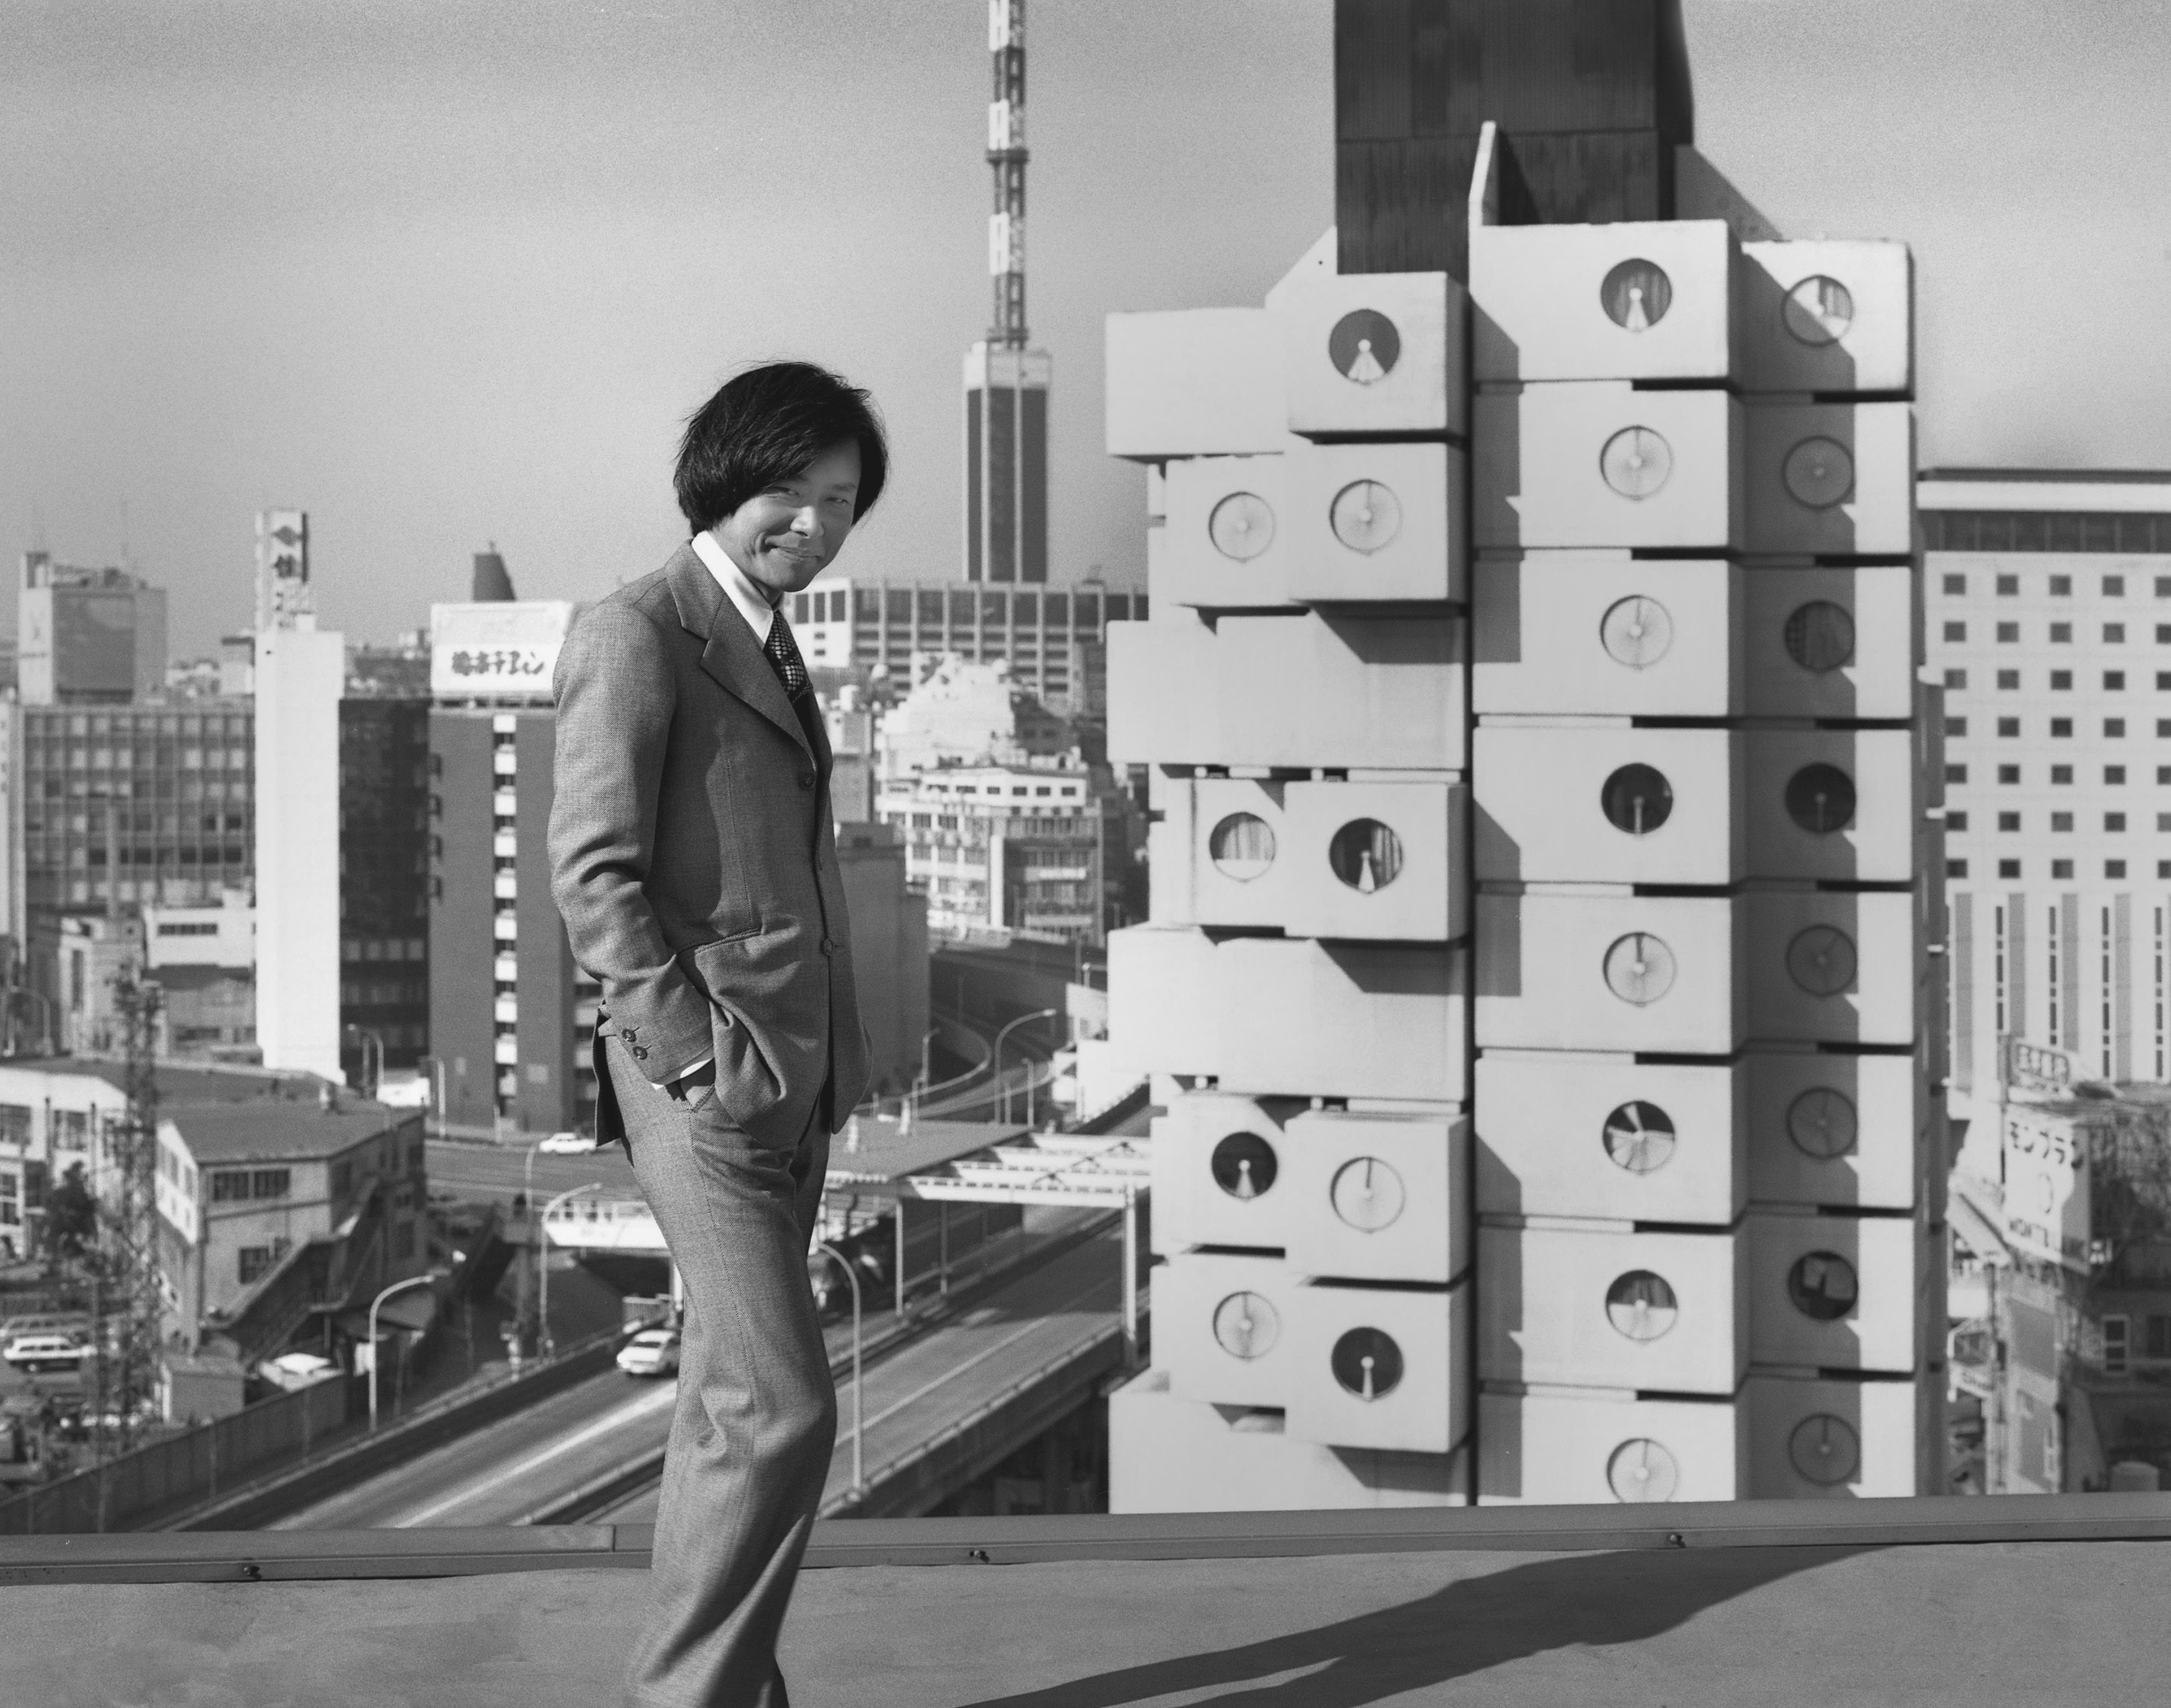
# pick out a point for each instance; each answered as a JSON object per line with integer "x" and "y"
{"x": 784, "y": 658}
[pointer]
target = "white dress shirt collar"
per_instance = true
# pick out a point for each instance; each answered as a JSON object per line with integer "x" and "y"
{"x": 750, "y": 603}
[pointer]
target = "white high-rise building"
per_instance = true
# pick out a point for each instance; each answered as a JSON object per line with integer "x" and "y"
{"x": 300, "y": 673}
{"x": 2049, "y": 597}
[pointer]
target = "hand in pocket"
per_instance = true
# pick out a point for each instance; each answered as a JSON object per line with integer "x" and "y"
{"x": 697, "y": 1088}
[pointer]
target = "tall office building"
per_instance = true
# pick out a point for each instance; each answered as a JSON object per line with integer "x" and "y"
{"x": 1542, "y": 991}
{"x": 1006, "y": 384}
{"x": 88, "y": 636}
{"x": 2050, "y": 609}
{"x": 511, "y": 1015}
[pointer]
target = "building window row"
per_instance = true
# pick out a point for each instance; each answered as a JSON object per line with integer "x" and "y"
{"x": 2060, "y": 634}
{"x": 2134, "y": 532}
{"x": 238, "y": 1186}
{"x": 2112, "y": 870}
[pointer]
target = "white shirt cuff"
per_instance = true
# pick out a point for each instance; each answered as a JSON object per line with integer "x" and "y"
{"x": 690, "y": 1067}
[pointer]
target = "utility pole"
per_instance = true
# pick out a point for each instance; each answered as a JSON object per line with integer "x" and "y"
{"x": 132, "y": 1308}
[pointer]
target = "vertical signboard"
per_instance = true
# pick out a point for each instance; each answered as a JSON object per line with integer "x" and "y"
{"x": 282, "y": 568}
{"x": 2046, "y": 1184}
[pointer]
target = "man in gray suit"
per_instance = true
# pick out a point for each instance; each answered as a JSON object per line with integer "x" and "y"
{"x": 693, "y": 857}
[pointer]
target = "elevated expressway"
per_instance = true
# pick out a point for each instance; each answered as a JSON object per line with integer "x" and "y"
{"x": 950, "y": 1388}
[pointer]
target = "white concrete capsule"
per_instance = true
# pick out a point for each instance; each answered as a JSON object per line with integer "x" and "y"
{"x": 1381, "y": 1367}
{"x": 1576, "y": 1135}
{"x": 1600, "y": 464}
{"x": 1226, "y": 543}
{"x": 1591, "y": 1447}
{"x": 1606, "y": 634}
{"x": 1572, "y": 971}
{"x": 1606, "y": 803}
{"x": 1221, "y": 1172}
{"x": 1839, "y": 1130}
{"x": 1375, "y": 353}
{"x": 1194, "y": 383}
{"x": 1830, "y": 478}
{"x": 1842, "y": 967}
{"x": 1613, "y": 1309}
{"x": 1379, "y": 1197}
{"x": 1828, "y": 315}
{"x": 1634, "y": 300}
{"x": 1223, "y": 1328}
{"x": 1378, "y": 860}
{"x": 1832, "y": 643}
{"x": 1834, "y": 1292}
{"x": 1812, "y": 1440}
{"x": 1843, "y": 804}
{"x": 1171, "y": 1455}
{"x": 1378, "y": 522}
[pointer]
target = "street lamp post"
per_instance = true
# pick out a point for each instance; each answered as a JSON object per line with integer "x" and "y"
{"x": 543, "y": 1261}
{"x": 859, "y": 1395}
{"x": 1003, "y": 1090}
{"x": 396, "y": 1287}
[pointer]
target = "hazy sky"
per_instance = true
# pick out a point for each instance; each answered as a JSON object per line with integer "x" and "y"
{"x": 444, "y": 271}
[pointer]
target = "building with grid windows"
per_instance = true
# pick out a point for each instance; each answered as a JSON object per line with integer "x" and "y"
{"x": 1050, "y": 636}
{"x": 1018, "y": 846}
{"x": 2049, "y": 612}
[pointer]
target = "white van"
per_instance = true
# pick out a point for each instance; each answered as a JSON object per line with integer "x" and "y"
{"x": 35, "y": 1352}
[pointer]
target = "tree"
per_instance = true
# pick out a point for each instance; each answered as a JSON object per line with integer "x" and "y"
{"x": 72, "y": 1215}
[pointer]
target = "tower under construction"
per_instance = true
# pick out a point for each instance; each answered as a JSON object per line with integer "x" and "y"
{"x": 1006, "y": 383}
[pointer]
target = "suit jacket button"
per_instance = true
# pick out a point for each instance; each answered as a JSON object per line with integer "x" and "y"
{"x": 639, "y": 1052}
{"x": 805, "y": 779}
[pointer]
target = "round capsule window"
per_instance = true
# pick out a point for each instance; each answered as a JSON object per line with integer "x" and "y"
{"x": 1637, "y": 799}
{"x": 1821, "y": 960}
{"x": 1819, "y": 472}
{"x": 1639, "y": 968}
{"x": 1365, "y": 516}
{"x": 1821, "y": 799}
{"x": 1639, "y": 1136}
{"x": 1817, "y": 310}
{"x": 1367, "y": 1364}
{"x": 1636, "y": 460}
{"x": 1823, "y": 1286}
{"x": 1824, "y": 1449}
{"x": 1636, "y": 631}
{"x": 1635, "y": 295}
{"x": 1246, "y": 1326}
{"x": 1368, "y": 1194}
{"x": 1640, "y": 1470}
{"x": 1819, "y": 636}
{"x": 1242, "y": 847}
{"x": 1364, "y": 346}
{"x": 1241, "y": 527}
{"x": 1244, "y": 1165}
{"x": 1641, "y": 1305}
{"x": 1822, "y": 1123}
{"x": 1365, "y": 854}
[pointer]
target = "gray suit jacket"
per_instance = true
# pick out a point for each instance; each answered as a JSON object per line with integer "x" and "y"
{"x": 693, "y": 857}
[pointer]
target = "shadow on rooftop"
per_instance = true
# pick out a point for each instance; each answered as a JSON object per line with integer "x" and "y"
{"x": 1588, "y": 1600}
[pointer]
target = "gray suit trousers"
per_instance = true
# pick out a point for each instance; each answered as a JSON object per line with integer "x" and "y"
{"x": 757, "y": 1411}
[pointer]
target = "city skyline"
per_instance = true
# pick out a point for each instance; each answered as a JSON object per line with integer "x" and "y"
{"x": 460, "y": 279}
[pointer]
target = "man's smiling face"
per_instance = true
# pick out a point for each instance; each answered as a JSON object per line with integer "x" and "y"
{"x": 787, "y": 533}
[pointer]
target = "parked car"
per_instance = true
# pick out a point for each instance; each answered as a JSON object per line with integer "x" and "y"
{"x": 37, "y": 1352}
{"x": 652, "y": 1352}
{"x": 567, "y": 1144}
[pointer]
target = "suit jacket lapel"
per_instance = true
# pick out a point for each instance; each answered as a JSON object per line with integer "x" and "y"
{"x": 731, "y": 656}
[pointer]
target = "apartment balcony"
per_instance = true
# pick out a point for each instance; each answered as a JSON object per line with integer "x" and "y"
{"x": 2045, "y": 1599}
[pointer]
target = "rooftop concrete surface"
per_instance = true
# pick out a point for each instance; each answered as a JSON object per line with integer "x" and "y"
{"x": 2052, "y": 1623}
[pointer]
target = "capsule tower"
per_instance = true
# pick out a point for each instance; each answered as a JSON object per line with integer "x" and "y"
{"x": 1006, "y": 383}
{"x": 1541, "y": 992}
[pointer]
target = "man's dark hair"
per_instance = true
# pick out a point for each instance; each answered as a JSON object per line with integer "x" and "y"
{"x": 766, "y": 425}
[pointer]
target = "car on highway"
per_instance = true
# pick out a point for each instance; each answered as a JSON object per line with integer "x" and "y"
{"x": 652, "y": 1352}
{"x": 567, "y": 1144}
{"x": 37, "y": 1352}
